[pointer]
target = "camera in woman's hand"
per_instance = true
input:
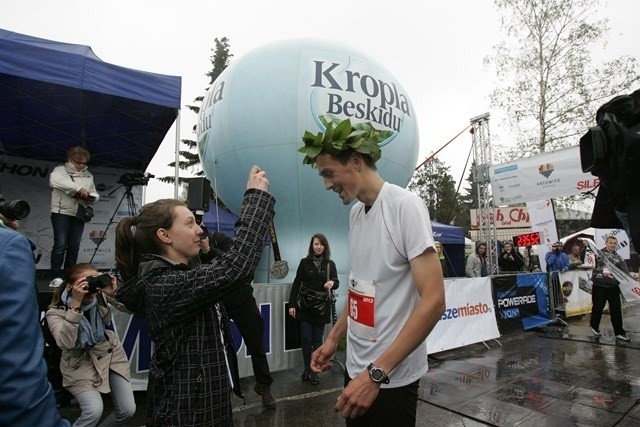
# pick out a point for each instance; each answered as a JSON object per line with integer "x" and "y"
{"x": 98, "y": 282}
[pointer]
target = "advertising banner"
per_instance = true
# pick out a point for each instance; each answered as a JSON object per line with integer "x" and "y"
{"x": 576, "y": 285}
{"x": 521, "y": 301}
{"x": 543, "y": 220}
{"x": 28, "y": 180}
{"x": 623, "y": 248}
{"x": 543, "y": 176}
{"x": 271, "y": 299}
{"x": 469, "y": 317}
{"x": 505, "y": 217}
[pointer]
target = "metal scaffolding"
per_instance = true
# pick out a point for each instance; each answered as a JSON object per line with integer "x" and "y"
{"x": 481, "y": 177}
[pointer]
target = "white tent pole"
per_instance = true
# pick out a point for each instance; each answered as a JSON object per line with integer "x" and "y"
{"x": 176, "y": 183}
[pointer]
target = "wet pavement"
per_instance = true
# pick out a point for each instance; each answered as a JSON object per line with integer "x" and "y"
{"x": 555, "y": 376}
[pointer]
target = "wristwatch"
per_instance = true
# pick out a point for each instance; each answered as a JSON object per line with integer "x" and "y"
{"x": 377, "y": 374}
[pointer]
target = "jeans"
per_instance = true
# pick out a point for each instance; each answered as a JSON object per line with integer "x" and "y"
{"x": 311, "y": 338}
{"x": 248, "y": 320}
{"x": 393, "y": 407}
{"x": 124, "y": 404}
{"x": 67, "y": 232}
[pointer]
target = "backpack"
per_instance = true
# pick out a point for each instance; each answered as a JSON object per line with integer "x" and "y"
{"x": 52, "y": 355}
{"x": 611, "y": 149}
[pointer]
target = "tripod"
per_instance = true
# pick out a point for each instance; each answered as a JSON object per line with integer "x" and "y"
{"x": 131, "y": 208}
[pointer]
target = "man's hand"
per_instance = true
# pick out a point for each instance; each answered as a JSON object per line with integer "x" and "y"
{"x": 357, "y": 397}
{"x": 11, "y": 223}
{"x": 258, "y": 179}
{"x": 292, "y": 312}
{"x": 320, "y": 358}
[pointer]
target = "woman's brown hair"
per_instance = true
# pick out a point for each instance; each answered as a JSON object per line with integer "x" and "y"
{"x": 327, "y": 252}
{"x": 136, "y": 235}
{"x": 71, "y": 274}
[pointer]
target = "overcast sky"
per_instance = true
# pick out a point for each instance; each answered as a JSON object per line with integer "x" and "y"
{"x": 434, "y": 49}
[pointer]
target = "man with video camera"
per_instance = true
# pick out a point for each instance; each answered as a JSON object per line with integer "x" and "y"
{"x": 26, "y": 397}
{"x": 556, "y": 259}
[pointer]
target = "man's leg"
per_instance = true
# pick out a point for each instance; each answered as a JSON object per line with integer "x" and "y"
{"x": 392, "y": 407}
{"x": 615, "y": 310}
{"x": 599, "y": 300}
{"x": 249, "y": 321}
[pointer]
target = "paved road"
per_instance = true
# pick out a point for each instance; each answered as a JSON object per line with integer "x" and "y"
{"x": 556, "y": 376}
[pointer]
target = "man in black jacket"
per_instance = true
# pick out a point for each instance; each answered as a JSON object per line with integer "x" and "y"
{"x": 241, "y": 307}
{"x": 606, "y": 289}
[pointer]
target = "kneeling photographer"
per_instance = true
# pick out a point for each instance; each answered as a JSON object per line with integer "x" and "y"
{"x": 93, "y": 359}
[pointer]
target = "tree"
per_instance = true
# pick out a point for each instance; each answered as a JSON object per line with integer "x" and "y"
{"x": 435, "y": 185}
{"x": 189, "y": 159}
{"x": 549, "y": 88}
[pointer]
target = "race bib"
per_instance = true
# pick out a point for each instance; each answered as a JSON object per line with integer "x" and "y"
{"x": 361, "y": 306}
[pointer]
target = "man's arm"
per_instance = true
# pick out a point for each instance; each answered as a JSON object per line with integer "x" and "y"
{"x": 361, "y": 392}
{"x": 26, "y": 397}
{"x": 427, "y": 276}
{"x": 550, "y": 258}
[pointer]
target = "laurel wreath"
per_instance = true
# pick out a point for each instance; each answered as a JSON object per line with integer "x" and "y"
{"x": 340, "y": 138}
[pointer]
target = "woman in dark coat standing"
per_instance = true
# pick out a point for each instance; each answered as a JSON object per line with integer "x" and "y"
{"x": 316, "y": 273}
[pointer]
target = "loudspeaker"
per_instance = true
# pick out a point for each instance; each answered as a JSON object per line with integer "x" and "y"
{"x": 198, "y": 194}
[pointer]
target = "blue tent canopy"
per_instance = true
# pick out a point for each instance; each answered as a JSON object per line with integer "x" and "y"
{"x": 57, "y": 95}
{"x": 452, "y": 239}
{"x": 218, "y": 219}
{"x": 447, "y": 233}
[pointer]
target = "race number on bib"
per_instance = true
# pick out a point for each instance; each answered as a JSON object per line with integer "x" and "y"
{"x": 361, "y": 306}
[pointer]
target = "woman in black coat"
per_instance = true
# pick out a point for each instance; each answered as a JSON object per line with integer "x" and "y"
{"x": 316, "y": 276}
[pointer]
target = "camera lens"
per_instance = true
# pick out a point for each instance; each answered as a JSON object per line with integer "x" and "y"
{"x": 205, "y": 232}
{"x": 15, "y": 209}
{"x": 98, "y": 282}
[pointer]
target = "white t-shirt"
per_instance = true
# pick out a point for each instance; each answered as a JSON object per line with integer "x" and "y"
{"x": 381, "y": 293}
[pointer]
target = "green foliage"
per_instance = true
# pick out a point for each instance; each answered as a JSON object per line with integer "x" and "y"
{"x": 339, "y": 137}
{"x": 435, "y": 185}
{"x": 549, "y": 88}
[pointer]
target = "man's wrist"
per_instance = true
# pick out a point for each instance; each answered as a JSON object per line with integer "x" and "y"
{"x": 377, "y": 374}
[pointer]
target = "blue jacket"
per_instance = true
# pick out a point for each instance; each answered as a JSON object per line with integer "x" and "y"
{"x": 557, "y": 261}
{"x": 26, "y": 397}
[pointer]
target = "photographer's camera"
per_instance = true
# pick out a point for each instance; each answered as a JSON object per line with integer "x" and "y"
{"x": 14, "y": 209}
{"x": 98, "y": 282}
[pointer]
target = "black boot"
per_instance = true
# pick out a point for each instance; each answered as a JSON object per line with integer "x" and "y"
{"x": 264, "y": 390}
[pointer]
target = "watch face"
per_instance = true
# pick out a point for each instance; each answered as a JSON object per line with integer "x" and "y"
{"x": 377, "y": 375}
